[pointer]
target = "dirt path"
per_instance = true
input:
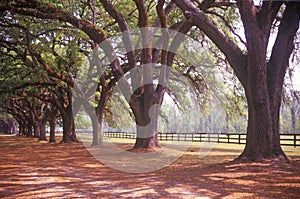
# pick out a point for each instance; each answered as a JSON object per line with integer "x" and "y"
{"x": 31, "y": 169}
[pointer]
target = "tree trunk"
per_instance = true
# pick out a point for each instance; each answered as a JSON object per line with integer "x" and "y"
{"x": 201, "y": 124}
{"x": 36, "y": 130}
{"x": 11, "y": 126}
{"x": 208, "y": 124}
{"x": 52, "y": 124}
{"x": 263, "y": 103}
{"x": 263, "y": 136}
{"x": 146, "y": 124}
{"x": 226, "y": 123}
{"x": 68, "y": 125}
{"x": 14, "y": 128}
{"x": 21, "y": 128}
{"x": 146, "y": 135}
{"x": 293, "y": 118}
{"x": 97, "y": 130}
{"x": 42, "y": 130}
{"x": 96, "y": 115}
{"x": 265, "y": 79}
{"x": 106, "y": 93}
{"x": 29, "y": 129}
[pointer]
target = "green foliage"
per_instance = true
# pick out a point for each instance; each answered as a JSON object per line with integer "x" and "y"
{"x": 118, "y": 113}
{"x": 290, "y": 118}
{"x": 82, "y": 121}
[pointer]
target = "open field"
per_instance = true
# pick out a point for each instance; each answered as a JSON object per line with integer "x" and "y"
{"x": 31, "y": 169}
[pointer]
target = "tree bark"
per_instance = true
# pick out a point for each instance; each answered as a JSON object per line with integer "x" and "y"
{"x": 11, "y": 126}
{"x": 52, "y": 124}
{"x": 146, "y": 125}
{"x": 21, "y": 127}
{"x": 42, "y": 128}
{"x": 293, "y": 118}
{"x": 36, "y": 130}
{"x": 97, "y": 129}
{"x": 265, "y": 81}
{"x": 14, "y": 127}
{"x": 29, "y": 129}
{"x": 69, "y": 134}
{"x": 97, "y": 124}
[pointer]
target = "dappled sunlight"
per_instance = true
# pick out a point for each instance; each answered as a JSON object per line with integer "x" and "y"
{"x": 41, "y": 170}
{"x": 188, "y": 191}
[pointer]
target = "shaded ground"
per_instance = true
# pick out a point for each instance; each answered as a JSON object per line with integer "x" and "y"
{"x": 31, "y": 169}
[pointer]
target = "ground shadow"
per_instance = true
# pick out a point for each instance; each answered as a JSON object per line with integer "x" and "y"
{"x": 41, "y": 170}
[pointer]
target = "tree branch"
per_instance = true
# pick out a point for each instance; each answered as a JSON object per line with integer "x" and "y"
{"x": 36, "y": 9}
{"x": 179, "y": 37}
{"x": 126, "y": 37}
{"x": 146, "y": 58}
{"x": 283, "y": 46}
{"x": 234, "y": 54}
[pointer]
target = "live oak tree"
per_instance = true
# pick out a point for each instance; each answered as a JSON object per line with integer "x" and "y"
{"x": 17, "y": 82}
{"x": 261, "y": 76}
{"x": 91, "y": 83}
{"x": 141, "y": 99}
{"x": 48, "y": 70}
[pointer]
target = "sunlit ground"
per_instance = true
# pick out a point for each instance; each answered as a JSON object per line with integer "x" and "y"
{"x": 31, "y": 169}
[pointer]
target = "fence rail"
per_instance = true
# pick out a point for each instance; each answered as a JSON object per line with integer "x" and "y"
{"x": 233, "y": 138}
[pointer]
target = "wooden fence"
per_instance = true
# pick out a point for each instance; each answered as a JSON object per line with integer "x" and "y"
{"x": 233, "y": 138}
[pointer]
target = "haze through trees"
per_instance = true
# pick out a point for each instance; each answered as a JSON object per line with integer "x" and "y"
{"x": 261, "y": 75}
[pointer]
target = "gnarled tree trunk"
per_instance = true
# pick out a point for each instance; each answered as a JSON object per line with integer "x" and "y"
{"x": 69, "y": 134}
{"x": 263, "y": 136}
{"x": 265, "y": 79}
{"x": 146, "y": 116}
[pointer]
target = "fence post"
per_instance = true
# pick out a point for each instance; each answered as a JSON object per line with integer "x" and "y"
{"x": 228, "y": 138}
{"x": 239, "y": 138}
{"x": 295, "y": 144}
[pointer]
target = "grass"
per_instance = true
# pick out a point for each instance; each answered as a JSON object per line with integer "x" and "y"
{"x": 196, "y": 146}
